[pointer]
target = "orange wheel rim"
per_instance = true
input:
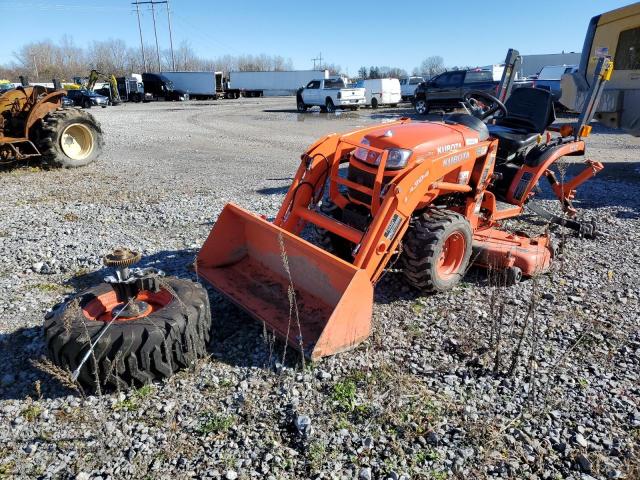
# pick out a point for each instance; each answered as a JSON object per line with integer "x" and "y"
{"x": 452, "y": 255}
{"x": 100, "y": 308}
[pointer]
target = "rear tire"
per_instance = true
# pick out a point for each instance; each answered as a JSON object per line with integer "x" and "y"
{"x": 421, "y": 107}
{"x": 374, "y": 103}
{"x": 132, "y": 352}
{"x": 69, "y": 138}
{"x": 436, "y": 250}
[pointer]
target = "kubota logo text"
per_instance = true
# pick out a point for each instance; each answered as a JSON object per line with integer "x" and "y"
{"x": 447, "y": 148}
{"x": 453, "y": 159}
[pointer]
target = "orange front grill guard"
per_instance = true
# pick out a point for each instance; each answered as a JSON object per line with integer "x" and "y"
{"x": 498, "y": 249}
{"x": 257, "y": 265}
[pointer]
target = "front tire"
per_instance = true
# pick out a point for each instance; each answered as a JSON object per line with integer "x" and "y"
{"x": 329, "y": 241}
{"x": 329, "y": 106}
{"x": 301, "y": 106}
{"x": 421, "y": 106}
{"x": 437, "y": 249}
{"x": 69, "y": 138}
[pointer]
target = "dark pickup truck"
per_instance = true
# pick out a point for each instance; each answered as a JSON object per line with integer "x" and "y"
{"x": 447, "y": 89}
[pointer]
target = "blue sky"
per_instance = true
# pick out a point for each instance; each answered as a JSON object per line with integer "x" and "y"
{"x": 348, "y": 33}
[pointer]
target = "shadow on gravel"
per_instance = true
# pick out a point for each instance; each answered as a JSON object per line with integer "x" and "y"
{"x": 274, "y": 190}
{"x": 18, "y": 376}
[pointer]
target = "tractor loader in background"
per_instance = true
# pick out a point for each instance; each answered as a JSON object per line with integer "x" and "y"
{"x": 34, "y": 124}
{"x": 113, "y": 93}
{"x": 428, "y": 194}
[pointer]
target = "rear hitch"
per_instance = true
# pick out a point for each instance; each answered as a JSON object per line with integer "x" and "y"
{"x": 583, "y": 229}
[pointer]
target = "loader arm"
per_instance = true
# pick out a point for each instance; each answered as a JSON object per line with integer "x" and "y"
{"x": 392, "y": 205}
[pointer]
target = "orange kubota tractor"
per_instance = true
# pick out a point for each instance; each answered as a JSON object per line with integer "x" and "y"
{"x": 430, "y": 193}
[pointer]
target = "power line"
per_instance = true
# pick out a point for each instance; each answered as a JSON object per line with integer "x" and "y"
{"x": 155, "y": 32}
{"x": 153, "y": 4}
{"x": 173, "y": 58}
{"x": 144, "y": 60}
{"x": 319, "y": 60}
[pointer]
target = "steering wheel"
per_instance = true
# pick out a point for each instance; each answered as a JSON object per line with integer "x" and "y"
{"x": 484, "y": 110}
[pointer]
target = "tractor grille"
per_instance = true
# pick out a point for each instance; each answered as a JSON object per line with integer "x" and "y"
{"x": 365, "y": 179}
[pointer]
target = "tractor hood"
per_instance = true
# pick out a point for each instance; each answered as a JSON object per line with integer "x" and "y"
{"x": 422, "y": 138}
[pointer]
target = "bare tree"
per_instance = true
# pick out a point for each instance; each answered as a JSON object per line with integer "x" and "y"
{"x": 333, "y": 68}
{"x": 431, "y": 66}
{"x": 44, "y": 60}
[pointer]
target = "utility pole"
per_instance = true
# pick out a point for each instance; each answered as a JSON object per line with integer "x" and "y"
{"x": 155, "y": 32}
{"x": 173, "y": 58}
{"x": 319, "y": 59}
{"x": 153, "y": 4}
{"x": 144, "y": 60}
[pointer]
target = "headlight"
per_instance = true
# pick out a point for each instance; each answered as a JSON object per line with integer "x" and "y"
{"x": 397, "y": 158}
{"x": 365, "y": 155}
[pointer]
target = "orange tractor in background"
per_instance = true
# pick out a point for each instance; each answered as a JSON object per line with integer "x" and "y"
{"x": 431, "y": 194}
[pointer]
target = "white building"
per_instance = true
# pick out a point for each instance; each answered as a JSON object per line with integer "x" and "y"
{"x": 532, "y": 64}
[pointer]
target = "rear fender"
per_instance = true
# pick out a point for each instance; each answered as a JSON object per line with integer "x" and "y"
{"x": 534, "y": 168}
{"x": 47, "y": 104}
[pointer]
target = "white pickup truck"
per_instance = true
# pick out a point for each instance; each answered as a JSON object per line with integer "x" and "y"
{"x": 408, "y": 87}
{"x": 329, "y": 94}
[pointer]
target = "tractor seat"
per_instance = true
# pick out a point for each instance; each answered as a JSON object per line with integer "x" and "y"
{"x": 512, "y": 139}
{"x": 530, "y": 112}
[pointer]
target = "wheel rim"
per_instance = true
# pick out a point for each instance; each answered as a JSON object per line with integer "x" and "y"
{"x": 77, "y": 141}
{"x": 329, "y": 107}
{"x": 101, "y": 308}
{"x": 452, "y": 255}
{"x": 421, "y": 107}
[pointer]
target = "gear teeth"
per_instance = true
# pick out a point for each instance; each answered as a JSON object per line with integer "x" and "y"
{"x": 121, "y": 257}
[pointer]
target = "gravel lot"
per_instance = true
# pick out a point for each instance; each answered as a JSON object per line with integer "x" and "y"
{"x": 446, "y": 387}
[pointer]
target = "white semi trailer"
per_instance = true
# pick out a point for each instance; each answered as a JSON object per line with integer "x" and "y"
{"x": 258, "y": 84}
{"x": 199, "y": 85}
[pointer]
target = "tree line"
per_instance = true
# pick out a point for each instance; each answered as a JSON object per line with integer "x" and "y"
{"x": 63, "y": 60}
{"x": 45, "y": 60}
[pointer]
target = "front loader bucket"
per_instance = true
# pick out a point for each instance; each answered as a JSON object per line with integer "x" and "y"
{"x": 248, "y": 259}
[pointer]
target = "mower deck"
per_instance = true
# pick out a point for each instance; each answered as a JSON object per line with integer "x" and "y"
{"x": 498, "y": 249}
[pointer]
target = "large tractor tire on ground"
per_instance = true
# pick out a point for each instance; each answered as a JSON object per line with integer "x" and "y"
{"x": 69, "y": 138}
{"x": 169, "y": 336}
{"x": 436, "y": 250}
